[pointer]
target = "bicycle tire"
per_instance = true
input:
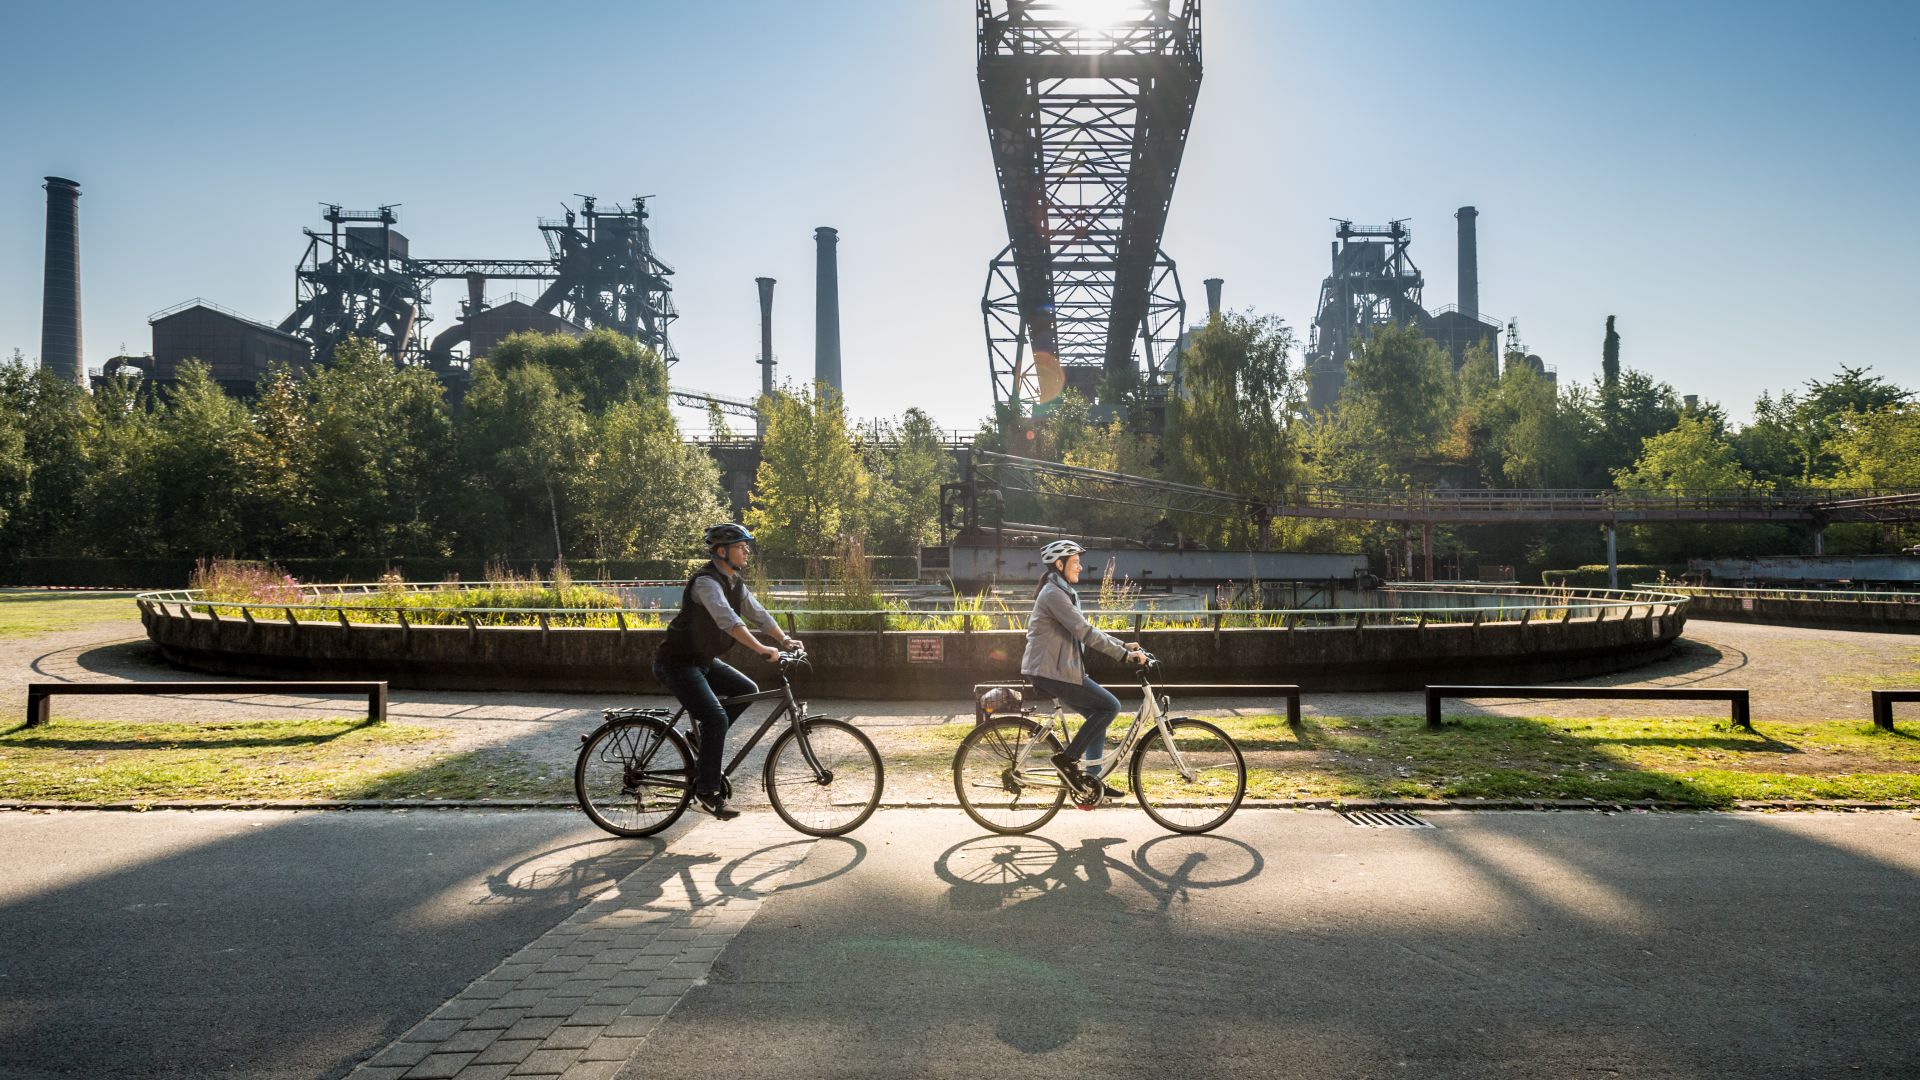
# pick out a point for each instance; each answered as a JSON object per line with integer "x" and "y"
{"x": 847, "y": 799}
{"x": 1189, "y": 806}
{"x": 634, "y": 777}
{"x": 983, "y": 777}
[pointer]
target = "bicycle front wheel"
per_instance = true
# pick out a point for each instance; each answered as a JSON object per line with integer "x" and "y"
{"x": 1004, "y": 778}
{"x": 1193, "y": 784}
{"x": 824, "y": 778}
{"x": 634, "y": 777}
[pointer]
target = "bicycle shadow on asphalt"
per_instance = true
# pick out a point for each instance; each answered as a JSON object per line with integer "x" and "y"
{"x": 995, "y": 872}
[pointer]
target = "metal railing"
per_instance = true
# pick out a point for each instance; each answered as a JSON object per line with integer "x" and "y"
{"x": 1894, "y": 596}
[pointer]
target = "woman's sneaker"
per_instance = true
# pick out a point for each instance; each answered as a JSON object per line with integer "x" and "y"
{"x": 1069, "y": 769}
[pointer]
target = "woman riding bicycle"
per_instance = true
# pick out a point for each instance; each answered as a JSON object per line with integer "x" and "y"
{"x": 714, "y": 609}
{"x": 1057, "y": 636}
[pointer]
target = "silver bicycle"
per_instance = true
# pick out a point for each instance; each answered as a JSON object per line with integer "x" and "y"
{"x": 1186, "y": 774}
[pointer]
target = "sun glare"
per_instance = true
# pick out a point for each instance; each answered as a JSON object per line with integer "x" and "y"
{"x": 1098, "y": 13}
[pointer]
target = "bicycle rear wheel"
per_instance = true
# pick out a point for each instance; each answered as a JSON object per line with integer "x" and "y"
{"x": 634, "y": 777}
{"x": 838, "y": 797}
{"x": 1003, "y": 778}
{"x": 1189, "y": 804}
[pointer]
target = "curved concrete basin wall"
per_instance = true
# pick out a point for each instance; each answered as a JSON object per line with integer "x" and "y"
{"x": 915, "y": 665}
{"x": 1837, "y": 614}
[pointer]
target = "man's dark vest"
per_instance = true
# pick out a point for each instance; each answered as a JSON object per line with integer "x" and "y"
{"x": 693, "y": 637}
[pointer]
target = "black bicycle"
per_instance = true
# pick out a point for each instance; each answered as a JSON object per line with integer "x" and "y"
{"x": 636, "y": 771}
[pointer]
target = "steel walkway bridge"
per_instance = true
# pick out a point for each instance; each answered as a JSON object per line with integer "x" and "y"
{"x": 1423, "y": 509}
{"x": 1087, "y": 120}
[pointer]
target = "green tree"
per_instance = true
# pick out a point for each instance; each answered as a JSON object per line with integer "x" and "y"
{"x": 381, "y": 446}
{"x": 1231, "y": 425}
{"x": 1610, "y": 357}
{"x": 57, "y": 426}
{"x": 1879, "y": 448}
{"x": 1622, "y": 417}
{"x": 519, "y": 440}
{"x": 904, "y": 511}
{"x": 278, "y": 459}
{"x": 1399, "y": 384}
{"x": 1690, "y": 459}
{"x": 639, "y": 491}
{"x": 197, "y": 460}
{"x": 125, "y": 485}
{"x": 811, "y": 485}
{"x": 1534, "y": 441}
{"x": 601, "y": 366}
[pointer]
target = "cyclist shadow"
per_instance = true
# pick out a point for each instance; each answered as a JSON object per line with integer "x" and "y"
{"x": 1013, "y": 873}
{"x": 677, "y": 880}
{"x": 989, "y": 873}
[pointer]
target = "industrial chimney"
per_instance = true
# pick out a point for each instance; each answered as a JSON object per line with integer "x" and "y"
{"x": 1469, "y": 261}
{"x": 60, "y": 301}
{"x": 766, "y": 347}
{"x": 826, "y": 308}
{"x": 1213, "y": 297}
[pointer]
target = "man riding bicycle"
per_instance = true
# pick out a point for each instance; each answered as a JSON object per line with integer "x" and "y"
{"x": 714, "y": 610}
{"x": 1057, "y": 637}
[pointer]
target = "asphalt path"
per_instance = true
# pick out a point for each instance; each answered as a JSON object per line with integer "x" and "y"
{"x": 1290, "y": 944}
{"x": 1294, "y": 944}
{"x": 266, "y": 944}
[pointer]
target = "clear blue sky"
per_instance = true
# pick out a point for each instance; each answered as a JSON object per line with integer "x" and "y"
{"x": 1737, "y": 182}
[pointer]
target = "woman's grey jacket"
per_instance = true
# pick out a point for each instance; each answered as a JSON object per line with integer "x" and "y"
{"x": 1058, "y": 632}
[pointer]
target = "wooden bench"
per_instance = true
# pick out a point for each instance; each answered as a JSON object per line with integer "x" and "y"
{"x": 1285, "y": 690}
{"x": 1738, "y": 698}
{"x": 1883, "y": 705}
{"x": 40, "y": 694}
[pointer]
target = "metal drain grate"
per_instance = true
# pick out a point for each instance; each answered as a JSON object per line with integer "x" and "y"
{"x": 1384, "y": 819}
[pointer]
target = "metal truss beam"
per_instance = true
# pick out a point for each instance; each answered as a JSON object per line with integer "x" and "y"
{"x": 1087, "y": 125}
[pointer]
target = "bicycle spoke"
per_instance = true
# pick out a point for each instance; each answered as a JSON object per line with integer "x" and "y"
{"x": 633, "y": 779}
{"x": 993, "y": 789}
{"x": 840, "y": 793}
{"x": 1206, "y": 793}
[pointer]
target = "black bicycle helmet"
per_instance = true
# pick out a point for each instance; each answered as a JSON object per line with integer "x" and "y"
{"x": 724, "y": 533}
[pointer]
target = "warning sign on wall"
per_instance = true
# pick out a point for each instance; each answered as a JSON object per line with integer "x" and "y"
{"x": 924, "y": 650}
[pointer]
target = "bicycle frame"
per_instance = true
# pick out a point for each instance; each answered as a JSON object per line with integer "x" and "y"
{"x": 787, "y": 707}
{"x": 1152, "y": 713}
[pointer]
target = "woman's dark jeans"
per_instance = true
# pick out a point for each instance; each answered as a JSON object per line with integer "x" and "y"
{"x": 700, "y": 688}
{"x": 1091, "y": 700}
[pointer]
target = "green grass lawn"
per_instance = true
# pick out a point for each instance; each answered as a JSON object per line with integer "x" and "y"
{"x": 1689, "y": 761}
{"x": 1607, "y": 759}
{"x": 111, "y": 761}
{"x": 30, "y": 612}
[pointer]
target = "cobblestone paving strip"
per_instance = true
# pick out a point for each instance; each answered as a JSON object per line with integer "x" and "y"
{"x": 577, "y": 1001}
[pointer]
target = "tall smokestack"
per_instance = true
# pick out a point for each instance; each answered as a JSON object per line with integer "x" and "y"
{"x": 766, "y": 346}
{"x": 60, "y": 301}
{"x": 1469, "y": 261}
{"x": 826, "y": 307}
{"x": 1213, "y": 297}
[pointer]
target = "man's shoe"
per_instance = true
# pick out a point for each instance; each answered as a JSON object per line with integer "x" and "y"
{"x": 716, "y": 804}
{"x": 1110, "y": 791}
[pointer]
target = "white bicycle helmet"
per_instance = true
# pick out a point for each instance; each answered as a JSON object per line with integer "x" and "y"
{"x": 1058, "y": 550}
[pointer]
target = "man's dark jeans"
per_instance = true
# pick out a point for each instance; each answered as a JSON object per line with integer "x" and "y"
{"x": 1091, "y": 700}
{"x": 700, "y": 688}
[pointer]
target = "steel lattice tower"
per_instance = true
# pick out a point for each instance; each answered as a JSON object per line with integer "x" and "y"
{"x": 1373, "y": 283}
{"x": 1088, "y": 121}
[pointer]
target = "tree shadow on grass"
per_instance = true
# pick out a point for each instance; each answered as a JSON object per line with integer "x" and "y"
{"x": 49, "y": 738}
